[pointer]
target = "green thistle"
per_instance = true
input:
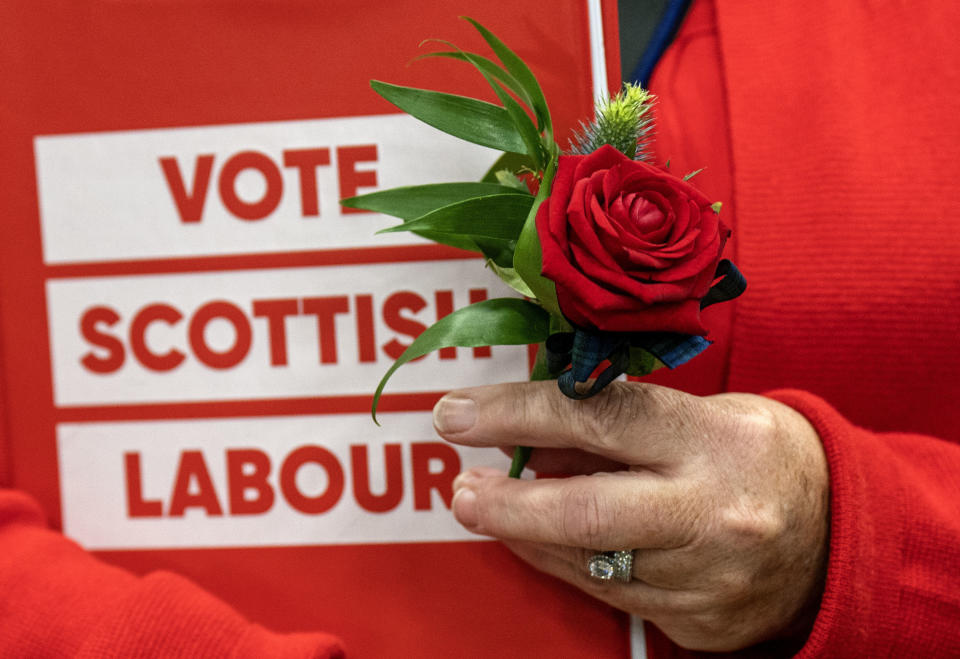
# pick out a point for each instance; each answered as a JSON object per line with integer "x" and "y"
{"x": 624, "y": 122}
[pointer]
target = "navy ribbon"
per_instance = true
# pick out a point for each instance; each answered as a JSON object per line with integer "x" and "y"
{"x": 662, "y": 37}
{"x": 585, "y": 350}
{"x": 728, "y": 284}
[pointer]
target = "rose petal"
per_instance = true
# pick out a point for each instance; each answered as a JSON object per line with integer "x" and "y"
{"x": 646, "y": 217}
{"x": 642, "y": 261}
{"x": 645, "y": 289}
{"x": 618, "y": 315}
{"x": 605, "y": 157}
{"x": 583, "y": 229}
{"x": 654, "y": 235}
{"x": 629, "y": 246}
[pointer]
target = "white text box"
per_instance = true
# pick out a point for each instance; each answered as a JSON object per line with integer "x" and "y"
{"x": 286, "y": 332}
{"x": 162, "y": 484}
{"x": 108, "y": 196}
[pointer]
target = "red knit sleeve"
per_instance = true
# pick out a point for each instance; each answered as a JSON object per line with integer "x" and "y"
{"x": 57, "y": 600}
{"x": 893, "y": 580}
{"x": 893, "y": 574}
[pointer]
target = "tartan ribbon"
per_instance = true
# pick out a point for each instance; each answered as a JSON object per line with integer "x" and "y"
{"x": 587, "y": 351}
{"x": 674, "y": 349}
{"x": 729, "y": 283}
{"x": 584, "y": 350}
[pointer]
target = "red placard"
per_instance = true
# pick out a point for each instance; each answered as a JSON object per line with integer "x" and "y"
{"x": 191, "y": 327}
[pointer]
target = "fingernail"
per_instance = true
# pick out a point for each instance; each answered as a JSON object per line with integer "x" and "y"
{"x": 452, "y": 415}
{"x": 471, "y": 476}
{"x": 464, "y": 507}
{"x": 462, "y": 480}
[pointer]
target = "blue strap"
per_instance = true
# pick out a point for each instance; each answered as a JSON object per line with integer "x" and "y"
{"x": 585, "y": 350}
{"x": 730, "y": 283}
{"x": 673, "y": 349}
{"x": 588, "y": 351}
{"x": 662, "y": 37}
{"x": 559, "y": 350}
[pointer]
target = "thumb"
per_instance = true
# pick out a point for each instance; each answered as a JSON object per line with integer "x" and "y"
{"x": 630, "y": 422}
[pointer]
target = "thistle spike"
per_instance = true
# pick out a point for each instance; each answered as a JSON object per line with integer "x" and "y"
{"x": 624, "y": 122}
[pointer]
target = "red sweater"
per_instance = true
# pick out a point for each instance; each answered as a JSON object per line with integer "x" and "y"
{"x": 831, "y": 136}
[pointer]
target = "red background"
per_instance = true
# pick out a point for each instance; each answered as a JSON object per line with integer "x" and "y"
{"x": 87, "y": 66}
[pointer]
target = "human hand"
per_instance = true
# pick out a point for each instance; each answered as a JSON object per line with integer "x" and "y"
{"x": 724, "y": 499}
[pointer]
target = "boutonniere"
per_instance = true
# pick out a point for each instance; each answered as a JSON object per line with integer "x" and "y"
{"x": 613, "y": 256}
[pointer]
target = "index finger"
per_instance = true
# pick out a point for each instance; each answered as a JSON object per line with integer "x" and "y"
{"x": 630, "y": 422}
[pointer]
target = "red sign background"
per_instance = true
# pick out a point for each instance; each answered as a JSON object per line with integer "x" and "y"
{"x": 100, "y": 65}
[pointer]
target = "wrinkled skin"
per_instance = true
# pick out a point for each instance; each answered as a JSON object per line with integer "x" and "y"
{"x": 724, "y": 498}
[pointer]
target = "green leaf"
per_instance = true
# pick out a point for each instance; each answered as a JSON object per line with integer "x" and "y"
{"x": 540, "y": 370}
{"x": 559, "y": 324}
{"x": 497, "y": 251}
{"x": 469, "y": 119}
{"x": 529, "y": 133}
{"x": 511, "y": 278}
{"x": 642, "y": 362}
{"x": 453, "y": 240}
{"x": 501, "y": 321}
{"x": 413, "y": 201}
{"x": 499, "y": 216}
{"x": 716, "y": 206}
{"x": 514, "y": 162}
{"x": 522, "y": 122}
{"x": 692, "y": 174}
{"x": 508, "y": 179}
{"x": 486, "y": 65}
{"x": 528, "y": 257}
{"x": 522, "y": 73}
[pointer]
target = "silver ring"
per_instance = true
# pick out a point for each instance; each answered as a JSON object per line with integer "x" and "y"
{"x": 611, "y": 566}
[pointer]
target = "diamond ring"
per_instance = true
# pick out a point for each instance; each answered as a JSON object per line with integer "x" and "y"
{"x": 611, "y": 566}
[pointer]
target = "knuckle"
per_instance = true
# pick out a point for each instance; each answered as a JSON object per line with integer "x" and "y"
{"x": 752, "y": 419}
{"x": 697, "y": 623}
{"x": 711, "y": 622}
{"x": 523, "y": 410}
{"x": 692, "y": 519}
{"x": 600, "y": 419}
{"x": 604, "y": 420}
{"x": 717, "y": 630}
{"x": 732, "y": 586}
{"x": 764, "y": 421}
{"x": 688, "y": 604}
{"x": 584, "y": 518}
{"x": 753, "y": 524}
{"x": 497, "y": 513}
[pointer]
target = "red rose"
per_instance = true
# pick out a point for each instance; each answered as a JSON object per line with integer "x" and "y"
{"x": 630, "y": 247}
